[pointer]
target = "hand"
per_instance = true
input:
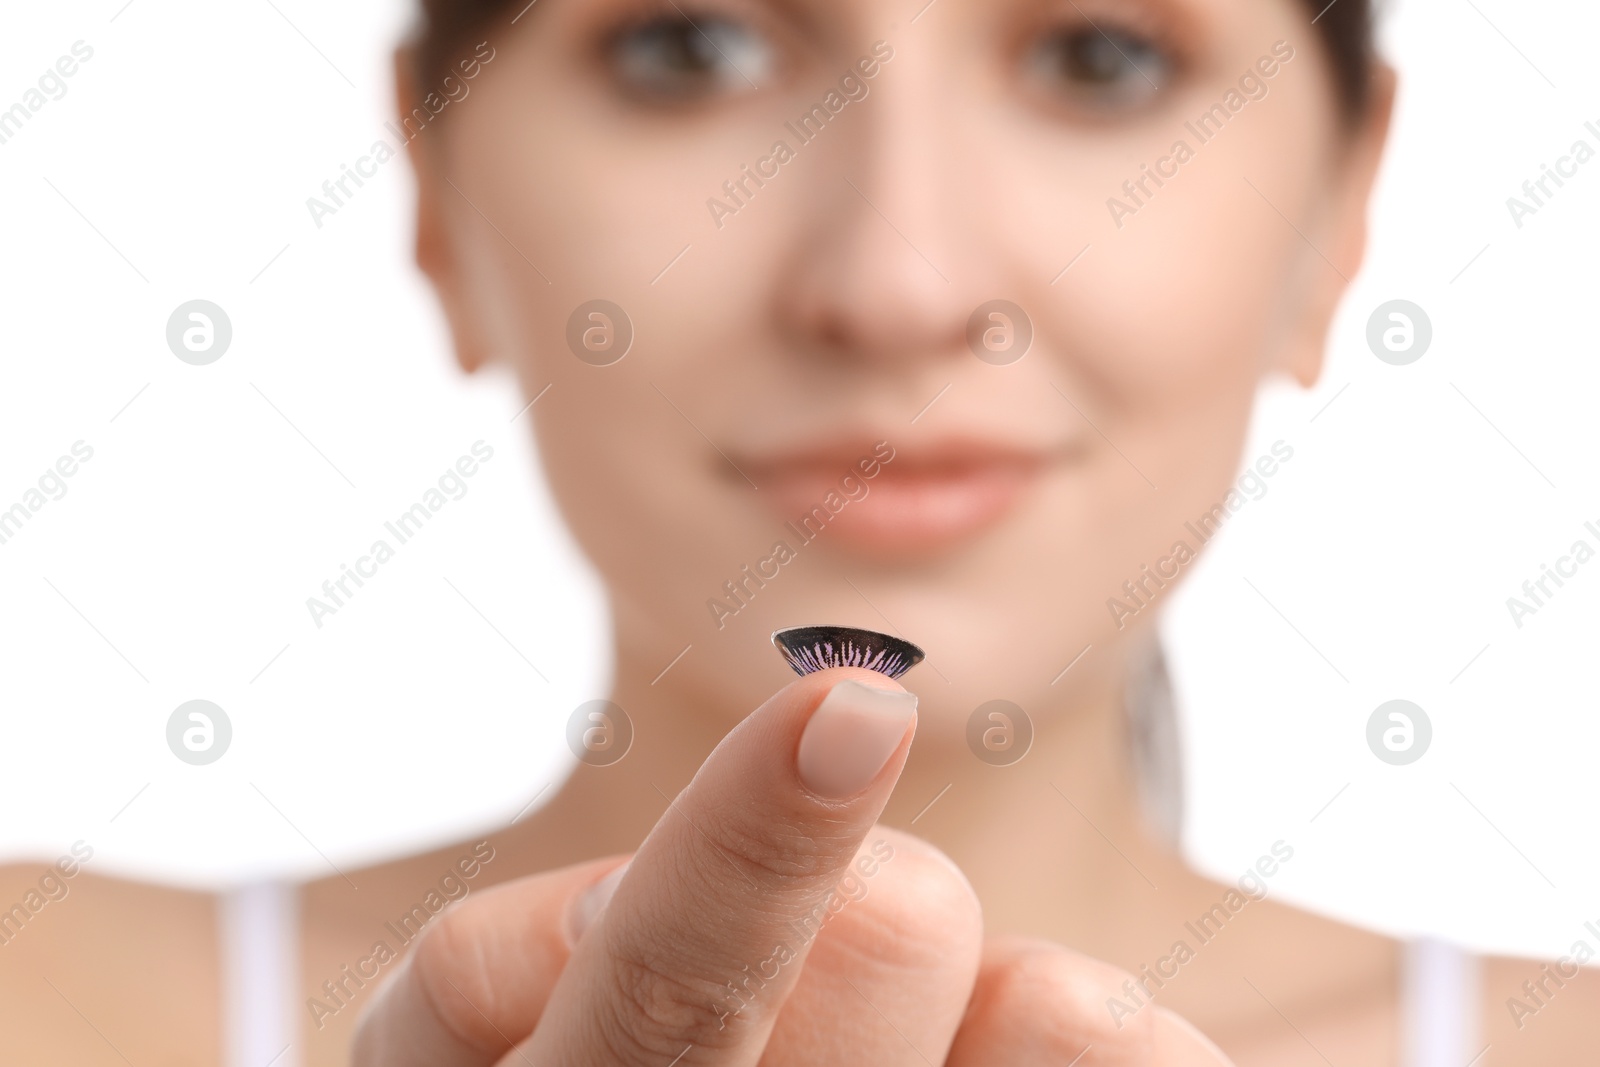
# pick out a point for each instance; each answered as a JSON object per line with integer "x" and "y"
{"x": 708, "y": 951}
{"x": 1036, "y": 1003}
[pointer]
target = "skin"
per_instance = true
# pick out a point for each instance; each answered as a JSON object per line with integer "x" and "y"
{"x": 721, "y": 889}
{"x": 823, "y": 310}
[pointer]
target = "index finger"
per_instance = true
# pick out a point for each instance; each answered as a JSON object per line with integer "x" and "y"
{"x": 706, "y": 933}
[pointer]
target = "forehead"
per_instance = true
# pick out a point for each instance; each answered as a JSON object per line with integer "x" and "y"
{"x": 919, "y": 16}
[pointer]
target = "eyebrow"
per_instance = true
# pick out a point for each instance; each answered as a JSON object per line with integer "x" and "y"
{"x": 1189, "y": 23}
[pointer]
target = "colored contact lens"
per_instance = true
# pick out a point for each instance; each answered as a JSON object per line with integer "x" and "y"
{"x": 811, "y": 648}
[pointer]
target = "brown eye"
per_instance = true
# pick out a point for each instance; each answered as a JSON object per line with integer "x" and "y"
{"x": 1100, "y": 68}
{"x": 678, "y": 59}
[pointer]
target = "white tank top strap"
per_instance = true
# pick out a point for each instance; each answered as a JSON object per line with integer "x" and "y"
{"x": 260, "y": 939}
{"x": 1439, "y": 1000}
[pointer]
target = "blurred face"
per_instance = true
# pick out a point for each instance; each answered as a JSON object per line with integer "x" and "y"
{"x": 944, "y": 325}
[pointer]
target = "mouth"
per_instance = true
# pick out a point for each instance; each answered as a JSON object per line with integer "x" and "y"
{"x": 883, "y": 498}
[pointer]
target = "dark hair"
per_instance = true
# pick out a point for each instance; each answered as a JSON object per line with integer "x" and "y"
{"x": 1347, "y": 33}
{"x": 1345, "y": 27}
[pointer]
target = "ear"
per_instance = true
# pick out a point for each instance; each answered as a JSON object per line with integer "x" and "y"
{"x": 1344, "y": 232}
{"x": 435, "y": 253}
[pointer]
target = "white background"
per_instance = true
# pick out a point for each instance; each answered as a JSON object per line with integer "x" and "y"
{"x": 178, "y": 564}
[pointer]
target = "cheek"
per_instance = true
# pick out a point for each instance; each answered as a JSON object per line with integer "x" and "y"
{"x": 1191, "y": 264}
{"x": 1161, "y": 332}
{"x": 622, "y": 444}
{"x": 1196, "y": 284}
{"x": 571, "y": 206}
{"x": 604, "y": 203}
{"x": 1169, "y": 320}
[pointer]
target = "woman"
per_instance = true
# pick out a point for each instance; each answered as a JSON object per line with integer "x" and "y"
{"x": 800, "y": 402}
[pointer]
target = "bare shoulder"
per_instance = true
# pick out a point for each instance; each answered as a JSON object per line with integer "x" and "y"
{"x": 1541, "y": 1012}
{"x": 358, "y": 924}
{"x": 97, "y": 970}
{"x": 1274, "y": 984}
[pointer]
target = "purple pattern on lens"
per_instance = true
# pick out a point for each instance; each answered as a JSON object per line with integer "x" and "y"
{"x": 811, "y": 648}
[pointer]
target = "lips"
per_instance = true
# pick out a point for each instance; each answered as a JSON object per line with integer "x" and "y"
{"x": 925, "y": 498}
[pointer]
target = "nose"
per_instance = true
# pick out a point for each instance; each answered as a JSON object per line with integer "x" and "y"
{"x": 885, "y": 266}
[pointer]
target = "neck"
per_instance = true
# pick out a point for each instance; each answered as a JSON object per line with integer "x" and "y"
{"x": 1049, "y": 839}
{"x": 1050, "y": 842}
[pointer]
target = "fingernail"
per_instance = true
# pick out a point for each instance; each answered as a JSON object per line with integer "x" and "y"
{"x": 587, "y": 906}
{"x": 851, "y": 736}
